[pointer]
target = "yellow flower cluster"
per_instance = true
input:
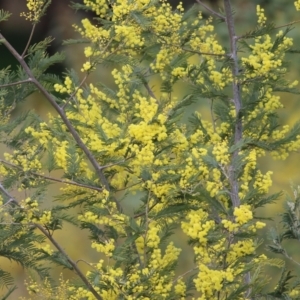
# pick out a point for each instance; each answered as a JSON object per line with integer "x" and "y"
{"x": 35, "y": 8}
{"x": 247, "y": 173}
{"x": 45, "y": 290}
{"x": 106, "y": 248}
{"x": 179, "y": 72}
{"x": 113, "y": 218}
{"x": 27, "y": 161}
{"x": 243, "y": 215}
{"x": 284, "y": 151}
{"x": 152, "y": 236}
{"x": 141, "y": 279}
{"x": 31, "y": 213}
{"x": 263, "y": 182}
{"x": 163, "y": 58}
{"x": 66, "y": 88}
{"x": 221, "y": 153}
{"x": 130, "y": 36}
{"x": 240, "y": 249}
{"x": 46, "y": 248}
{"x": 125, "y": 31}
{"x": 180, "y": 289}
{"x": 210, "y": 281}
{"x": 100, "y": 7}
{"x": 262, "y": 60}
{"x": 297, "y": 4}
{"x": 43, "y": 136}
{"x": 198, "y": 226}
{"x": 261, "y": 15}
{"x": 213, "y": 187}
{"x": 205, "y": 42}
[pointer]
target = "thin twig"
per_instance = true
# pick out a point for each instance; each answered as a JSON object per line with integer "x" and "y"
{"x": 290, "y": 258}
{"x": 212, "y": 114}
{"x": 203, "y": 53}
{"x": 29, "y": 40}
{"x": 85, "y": 77}
{"x": 71, "y": 182}
{"x": 276, "y": 27}
{"x": 144, "y": 213}
{"x": 76, "y": 90}
{"x": 115, "y": 164}
{"x": 211, "y": 10}
{"x": 82, "y": 260}
{"x": 70, "y": 261}
{"x": 15, "y": 83}
{"x": 184, "y": 274}
{"x": 63, "y": 116}
{"x": 4, "y": 191}
{"x": 130, "y": 186}
{"x": 286, "y": 25}
{"x": 147, "y": 226}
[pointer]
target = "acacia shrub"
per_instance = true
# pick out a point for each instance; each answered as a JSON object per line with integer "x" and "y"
{"x": 201, "y": 176}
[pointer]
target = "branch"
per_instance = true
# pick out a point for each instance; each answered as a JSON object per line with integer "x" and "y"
{"x": 62, "y": 114}
{"x": 236, "y": 98}
{"x": 58, "y": 247}
{"x": 15, "y": 83}
{"x": 211, "y": 10}
{"x": 149, "y": 90}
{"x": 146, "y": 212}
{"x": 236, "y": 86}
{"x": 70, "y": 261}
{"x": 184, "y": 274}
{"x": 119, "y": 163}
{"x": 29, "y": 40}
{"x": 285, "y": 254}
{"x": 203, "y": 53}
{"x": 288, "y": 24}
{"x": 71, "y": 182}
{"x": 5, "y": 192}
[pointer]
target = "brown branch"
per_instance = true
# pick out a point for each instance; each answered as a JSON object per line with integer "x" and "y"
{"x": 71, "y": 182}
{"x": 238, "y": 132}
{"x": 63, "y": 116}
{"x": 211, "y": 10}
{"x": 236, "y": 99}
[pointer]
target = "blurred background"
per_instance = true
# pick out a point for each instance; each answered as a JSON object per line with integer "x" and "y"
{"x": 58, "y": 24}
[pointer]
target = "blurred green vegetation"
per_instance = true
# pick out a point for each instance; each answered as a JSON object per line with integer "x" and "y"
{"x": 58, "y": 22}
